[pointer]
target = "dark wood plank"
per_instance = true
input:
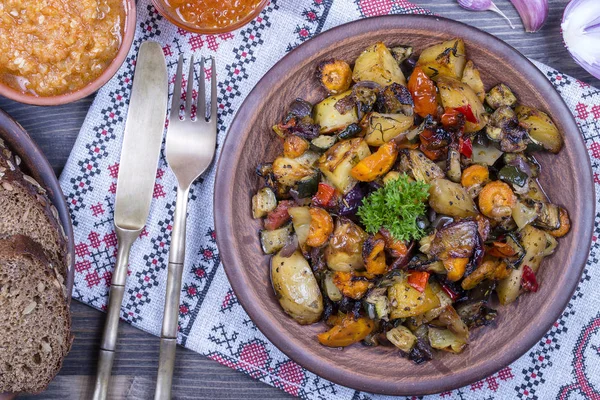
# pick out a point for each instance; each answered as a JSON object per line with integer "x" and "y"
{"x": 55, "y": 130}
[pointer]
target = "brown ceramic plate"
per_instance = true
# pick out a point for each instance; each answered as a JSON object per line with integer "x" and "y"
{"x": 34, "y": 163}
{"x": 567, "y": 179}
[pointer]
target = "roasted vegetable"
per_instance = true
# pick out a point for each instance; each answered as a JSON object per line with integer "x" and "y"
{"x": 382, "y": 128}
{"x": 322, "y": 143}
{"x": 523, "y": 215}
{"x": 338, "y": 161}
{"x": 402, "y": 338}
{"x": 377, "y": 164}
{"x": 296, "y": 288}
{"x": 491, "y": 268}
{"x": 497, "y": 200}
{"x": 329, "y": 118}
{"x": 395, "y": 99}
{"x": 335, "y": 75}
{"x": 263, "y": 202}
{"x": 294, "y": 146}
{"x": 376, "y": 304}
{"x": 320, "y": 227}
{"x": 346, "y": 332}
{"x": 349, "y": 132}
{"x": 274, "y": 240}
{"x": 401, "y": 53}
{"x": 472, "y": 78}
{"x": 499, "y": 96}
{"x": 540, "y": 127}
{"x": 476, "y": 313}
{"x": 455, "y": 94}
{"x": 351, "y": 284}
{"x": 344, "y": 252}
{"x": 374, "y": 255}
{"x": 444, "y": 59}
{"x": 534, "y": 242}
{"x": 504, "y": 127}
{"x": 419, "y": 167}
{"x": 485, "y": 155}
{"x": 330, "y": 289}
{"x": 301, "y": 220}
{"x": 377, "y": 64}
{"x": 474, "y": 175}
{"x": 445, "y": 339}
{"x": 406, "y": 301}
{"x": 423, "y": 92}
{"x": 279, "y": 216}
{"x": 289, "y": 171}
{"x": 451, "y": 199}
{"x": 565, "y": 224}
{"x": 548, "y": 217}
{"x": 453, "y": 168}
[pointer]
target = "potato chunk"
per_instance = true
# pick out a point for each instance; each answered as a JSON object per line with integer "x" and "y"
{"x": 444, "y": 59}
{"x": 377, "y": 64}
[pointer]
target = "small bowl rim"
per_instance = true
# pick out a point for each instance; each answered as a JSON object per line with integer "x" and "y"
{"x": 159, "y": 4}
{"x": 91, "y": 87}
{"x": 238, "y": 280}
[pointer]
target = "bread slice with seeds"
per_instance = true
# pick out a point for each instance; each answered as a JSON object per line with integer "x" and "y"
{"x": 35, "y": 321}
{"x": 26, "y": 210}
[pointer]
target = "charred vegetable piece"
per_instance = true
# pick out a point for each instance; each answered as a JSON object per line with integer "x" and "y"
{"x": 421, "y": 352}
{"x": 263, "y": 202}
{"x": 451, "y": 199}
{"x": 455, "y": 267}
{"x": 346, "y": 332}
{"x": 402, "y": 338}
{"x": 329, "y": 118}
{"x": 338, "y": 161}
{"x": 565, "y": 224}
{"x": 325, "y": 196}
{"x": 349, "y": 204}
{"x": 472, "y": 78}
{"x": 476, "y": 313}
{"x": 274, "y": 240}
{"x": 322, "y": 143}
{"x": 320, "y": 227}
{"x": 289, "y": 171}
{"x": 420, "y": 167}
{"x": 490, "y": 268}
{"x": 335, "y": 75}
{"x": 308, "y": 186}
{"x": 500, "y": 95}
{"x": 376, "y": 304}
{"x": 395, "y": 99}
{"x": 401, "y": 53}
{"x": 513, "y": 175}
{"x": 475, "y": 175}
{"x": 423, "y": 92}
{"x": 377, "y": 64}
{"x": 279, "y": 216}
{"x": 294, "y": 146}
{"x": 382, "y": 128}
{"x": 350, "y": 131}
{"x": 504, "y": 127}
{"x": 374, "y": 255}
{"x": 296, "y": 288}
{"x": 548, "y": 216}
{"x": 540, "y": 127}
{"x": 444, "y": 59}
{"x": 406, "y": 301}
{"x": 351, "y": 284}
{"x": 497, "y": 200}
{"x": 377, "y": 164}
{"x": 344, "y": 252}
{"x": 455, "y": 94}
{"x": 395, "y": 248}
{"x": 453, "y": 169}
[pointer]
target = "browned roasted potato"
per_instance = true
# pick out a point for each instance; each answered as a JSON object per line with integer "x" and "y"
{"x": 335, "y": 75}
{"x": 377, "y": 64}
{"x": 456, "y": 94}
{"x": 444, "y": 59}
{"x": 329, "y": 118}
{"x": 337, "y": 162}
{"x": 472, "y": 78}
{"x": 344, "y": 252}
{"x": 384, "y": 127}
{"x": 540, "y": 127}
{"x": 451, "y": 199}
{"x": 500, "y": 95}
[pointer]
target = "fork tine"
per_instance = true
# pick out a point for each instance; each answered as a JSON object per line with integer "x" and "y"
{"x": 189, "y": 94}
{"x": 213, "y": 90}
{"x": 201, "y": 92}
{"x": 176, "y": 100}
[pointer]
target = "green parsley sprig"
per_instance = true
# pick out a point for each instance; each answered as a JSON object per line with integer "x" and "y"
{"x": 396, "y": 207}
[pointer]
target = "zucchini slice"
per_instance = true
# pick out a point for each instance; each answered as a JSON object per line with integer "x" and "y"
{"x": 273, "y": 241}
{"x": 262, "y": 202}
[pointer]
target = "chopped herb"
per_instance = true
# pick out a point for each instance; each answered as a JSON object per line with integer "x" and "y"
{"x": 396, "y": 207}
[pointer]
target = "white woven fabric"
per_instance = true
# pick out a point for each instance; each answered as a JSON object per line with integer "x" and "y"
{"x": 565, "y": 364}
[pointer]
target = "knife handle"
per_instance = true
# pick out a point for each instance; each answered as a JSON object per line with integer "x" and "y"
{"x": 168, "y": 336}
{"x": 111, "y": 326}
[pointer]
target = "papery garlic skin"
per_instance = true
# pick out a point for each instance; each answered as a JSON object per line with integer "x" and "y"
{"x": 581, "y": 33}
{"x": 483, "y": 5}
{"x": 533, "y": 13}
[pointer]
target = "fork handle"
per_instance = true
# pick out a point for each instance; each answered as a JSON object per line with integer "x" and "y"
{"x": 168, "y": 337}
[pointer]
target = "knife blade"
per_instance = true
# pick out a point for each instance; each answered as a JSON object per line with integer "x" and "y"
{"x": 142, "y": 141}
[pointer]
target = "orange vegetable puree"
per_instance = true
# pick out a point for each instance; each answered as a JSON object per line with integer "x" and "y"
{"x": 212, "y": 14}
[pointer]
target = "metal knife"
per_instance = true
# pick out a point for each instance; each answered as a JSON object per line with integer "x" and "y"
{"x": 137, "y": 173}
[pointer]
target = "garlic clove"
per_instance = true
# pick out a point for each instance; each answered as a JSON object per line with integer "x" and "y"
{"x": 533, "y": 13}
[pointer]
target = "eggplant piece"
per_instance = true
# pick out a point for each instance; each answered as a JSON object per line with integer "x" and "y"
{"x": 548, "y": 216}
{"x": 299, "y": 108}
{"x": 503, "y": 127}
{"x": 419, "y": 167}
{"x": 351, "y": 202}
{"x": 456, "y": 240}
{"x": 421, "y": 352}
{"x": 365, "y": 95}
{"x": 500, "y": 96}
{"x": 476, "y": 313}
{"x": 401, "y": 53}
{"x": 395, "y": 99}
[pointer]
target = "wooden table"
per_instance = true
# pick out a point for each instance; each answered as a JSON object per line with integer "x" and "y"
{"x": 55, "y": 130}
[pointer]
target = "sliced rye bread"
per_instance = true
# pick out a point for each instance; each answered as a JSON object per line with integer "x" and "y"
{"x": 35, "y": 325}
{"x": 26, "y": 210}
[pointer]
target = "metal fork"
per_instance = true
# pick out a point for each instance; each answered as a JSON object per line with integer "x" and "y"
{"x": 190, "y": 149}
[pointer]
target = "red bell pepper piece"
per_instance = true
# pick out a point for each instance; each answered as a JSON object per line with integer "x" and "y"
{"x": 448, "y": 290}
{"x": 423, "y": 92}
{"x": 325, "y": 196}
{"x": 418, "y": 280}
{"x": 279, "y": 216}
{"x": 467, "y": 111}
{"x": 528, "y": 280}
{"x": 465, "y": 147}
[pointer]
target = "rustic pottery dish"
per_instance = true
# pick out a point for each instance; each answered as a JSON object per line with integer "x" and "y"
{"x": 35, "y": 164}
{"x": 566, "y": 178}
{"x": 91, "y": 87}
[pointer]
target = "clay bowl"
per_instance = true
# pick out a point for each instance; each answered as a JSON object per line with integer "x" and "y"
{"x": 35, "y": 164}
{"x": 92, "y": 87}
{"x": 566, "y": 177}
